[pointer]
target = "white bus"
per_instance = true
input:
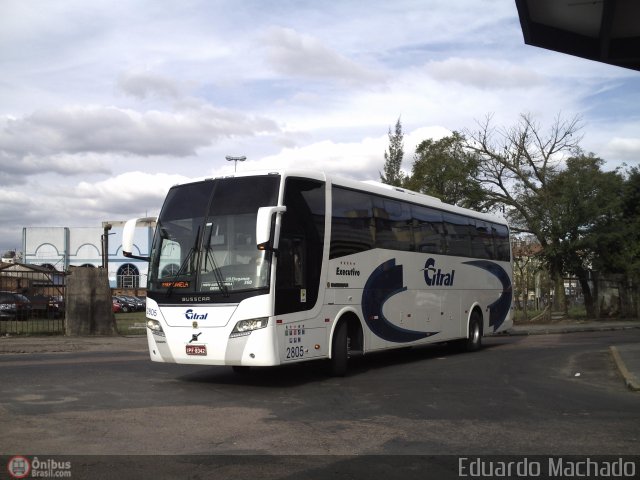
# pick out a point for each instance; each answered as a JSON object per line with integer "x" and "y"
{"x": 263, "y": 269}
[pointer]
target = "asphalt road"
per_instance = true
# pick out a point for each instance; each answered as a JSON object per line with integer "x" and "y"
{"x": 530, "y": 395}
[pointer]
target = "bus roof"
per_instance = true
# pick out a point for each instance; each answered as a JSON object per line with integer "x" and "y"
{"x": 372, "y": 186}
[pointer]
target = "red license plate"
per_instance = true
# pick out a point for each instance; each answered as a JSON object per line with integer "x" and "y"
{"x": 196, "y": 349}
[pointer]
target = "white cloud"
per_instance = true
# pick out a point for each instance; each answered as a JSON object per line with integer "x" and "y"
{"x": 146, "y": 84}
{"x": 17, "y": 171}
{"x": 134, "y": 191}
{"x": 624, "y": 149}
{"x": 14, "y": 204}
{"x": 100, "y": 129}
{"x": 484, "y": 73}
{"x": 297, "y": 55}
{"x": 361, "y": 160}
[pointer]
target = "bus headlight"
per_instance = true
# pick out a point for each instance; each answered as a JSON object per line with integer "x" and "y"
{"x": 245, "y": 327}
{"x": 155, "y": 327}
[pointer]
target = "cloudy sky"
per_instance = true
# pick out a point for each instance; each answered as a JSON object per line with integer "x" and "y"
{"x": 105, "y": 105}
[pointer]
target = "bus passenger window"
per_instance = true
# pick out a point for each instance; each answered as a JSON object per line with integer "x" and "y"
{"x": 428, "y": 230}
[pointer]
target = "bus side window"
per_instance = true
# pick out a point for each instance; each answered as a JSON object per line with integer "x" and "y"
{"x": 352, "y": 224}
{"x": 482, "y": 241}
{"x": 501, "y": 240}
{"x": 428, "y": 230}
{"x": 458, "y": 235}
{"x": 392, "y": 224}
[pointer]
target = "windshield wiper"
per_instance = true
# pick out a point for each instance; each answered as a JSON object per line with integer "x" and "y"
{"x": 210, "y": 256}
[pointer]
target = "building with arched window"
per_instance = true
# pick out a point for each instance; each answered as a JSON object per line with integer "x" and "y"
{"x": 62, "y": 247}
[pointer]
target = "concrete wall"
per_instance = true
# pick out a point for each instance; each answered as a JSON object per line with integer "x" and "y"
{"x": 88, "y": 303}
{"x": 46, "y": 245}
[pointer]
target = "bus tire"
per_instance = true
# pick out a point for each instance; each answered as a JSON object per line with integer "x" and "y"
{"x": 474, "y": 340}
{"x": 340, "y": 351}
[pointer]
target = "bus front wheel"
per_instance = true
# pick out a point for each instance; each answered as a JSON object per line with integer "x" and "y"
{"x": 340, "y": 350}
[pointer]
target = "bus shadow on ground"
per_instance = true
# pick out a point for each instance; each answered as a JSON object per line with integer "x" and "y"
{"x": 403, "y": 356}
{"x": 287, "y": 376}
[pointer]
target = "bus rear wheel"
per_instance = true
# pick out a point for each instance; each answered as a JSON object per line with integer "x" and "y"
{"x": 340, "y": 350}
{"x": 474, "y": 341}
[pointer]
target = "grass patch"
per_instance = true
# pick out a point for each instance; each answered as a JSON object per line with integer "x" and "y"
{"x": 575, "y": 312}
{"x": 34, "y": 326}
{"x": 578, "y": 312}
{"x": 519, "y": 315}
{"x": 131, "y": 323}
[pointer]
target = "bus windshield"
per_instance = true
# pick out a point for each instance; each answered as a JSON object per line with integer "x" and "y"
{"x": 205, "y": 241}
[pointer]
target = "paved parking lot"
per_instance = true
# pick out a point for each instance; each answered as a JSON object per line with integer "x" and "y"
{"x": 523, "y": 395}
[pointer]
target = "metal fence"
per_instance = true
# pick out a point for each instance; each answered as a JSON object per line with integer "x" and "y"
{"x": 31, "y": 301}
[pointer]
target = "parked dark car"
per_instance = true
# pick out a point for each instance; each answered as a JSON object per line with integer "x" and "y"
{"x": 139, "y": 304}
{"x": 143, "y": 300}
{"x": 125, "y": 305}
{"x": 14, "y": 306}
{"x": 43, "y": 306}
{"x": 57, "y": 305}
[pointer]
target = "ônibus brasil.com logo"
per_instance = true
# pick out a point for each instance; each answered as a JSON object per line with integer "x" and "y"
{"x": 20, "y": 467}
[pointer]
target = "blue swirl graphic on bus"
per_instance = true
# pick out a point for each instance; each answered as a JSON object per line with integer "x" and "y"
{"x": 383, "y": 283}
{"x": 499, "y": 309}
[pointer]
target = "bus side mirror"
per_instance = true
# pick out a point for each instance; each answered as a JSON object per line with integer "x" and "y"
{"x": 128, "y": 235}
{"x": 263, "y": 227}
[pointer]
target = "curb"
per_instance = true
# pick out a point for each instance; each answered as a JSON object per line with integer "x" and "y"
{"x": 64, "y": 344}
{"x": 629, "y": 379}
{"x": 568, "y": 329}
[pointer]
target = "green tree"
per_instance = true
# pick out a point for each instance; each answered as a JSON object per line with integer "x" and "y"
{"x": 516, "y": 165}
{"x": 616, "y": 242}
{"x": 584, "y": 205}
{"x": 631, "y": 245}
{"x": 392, "y": 175}
{"x": 631, "y": 219}
{"x": 446, "y": 170}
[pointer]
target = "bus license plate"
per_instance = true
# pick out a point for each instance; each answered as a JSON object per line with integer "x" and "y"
{"x": 196, "y": 349}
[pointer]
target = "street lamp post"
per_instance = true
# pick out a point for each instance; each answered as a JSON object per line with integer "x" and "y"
{"x": 105, "y": 245}
{"x": 235, "y": 160}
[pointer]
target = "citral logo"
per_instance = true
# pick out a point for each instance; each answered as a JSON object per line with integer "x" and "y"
{"x": 436, "y": 277}
{"x": 191, "y": 315}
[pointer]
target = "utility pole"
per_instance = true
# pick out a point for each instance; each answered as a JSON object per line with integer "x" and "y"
{"x": 105, "y": 246}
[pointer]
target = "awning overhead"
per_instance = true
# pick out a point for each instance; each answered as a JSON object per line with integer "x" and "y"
{"x": 602, "y": 30}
